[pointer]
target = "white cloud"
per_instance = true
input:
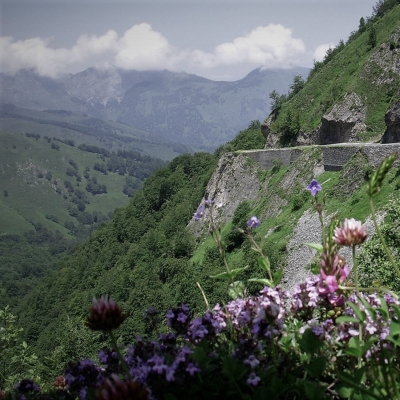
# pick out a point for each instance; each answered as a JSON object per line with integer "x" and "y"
{"x": 37, "y": 54}
{"x": 142, "y": 48}
{"x": 270, "y": 46}
{"x": 320, "y": 51}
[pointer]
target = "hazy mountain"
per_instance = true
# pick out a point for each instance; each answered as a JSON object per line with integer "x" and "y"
{"x": 177, "y": 106}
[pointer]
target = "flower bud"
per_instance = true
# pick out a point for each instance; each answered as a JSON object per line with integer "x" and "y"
{"x": 105, "y": 315}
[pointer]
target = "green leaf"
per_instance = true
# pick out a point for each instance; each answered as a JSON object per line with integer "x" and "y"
{"x": 222, "y": 275}
{"x": 314, "y": 391}
{"x": 265, "y": 282}
{"x": 360, "y": 314}
{"x": 354, "y": 352}
{"x": 344, "y": 391}
{"x": 232, "y": 368}
{"x": 316, "y": 366}
{"x": 199, "y": 355}
{"x": 346, "y": 318}
{"x": 264, "y": 264}
{"x": 383, "y": 309}
{"x": 394, "y": 329}
{"x": 354, "y": 348}
{"x": 278, "y": 277}
{"x": 369, "y": 344}
{"x": 236, "y": 289}
{"x": 315, "y": 246}
{"x": 229, "y": 275}
{"x": 309, "y": 342}
{"x": 368, "y": 307}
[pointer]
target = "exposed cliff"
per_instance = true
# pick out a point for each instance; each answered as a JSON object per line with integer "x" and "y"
{"x": 392, "y": 120}
{"x": 343, "y": 122}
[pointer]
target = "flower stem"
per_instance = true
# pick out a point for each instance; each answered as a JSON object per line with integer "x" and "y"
{"x": 258, "y": 249}
{"x": 355, "y": 266}
{"x": 121, "y": 359}
{"x": 204, "y": 295}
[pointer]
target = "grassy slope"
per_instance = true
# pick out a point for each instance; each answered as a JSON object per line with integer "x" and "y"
{"x": 31, "y": 198}
{"x": 351, "y": 70}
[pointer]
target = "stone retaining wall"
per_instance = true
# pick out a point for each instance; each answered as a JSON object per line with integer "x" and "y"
{"x": 334, "y": 156}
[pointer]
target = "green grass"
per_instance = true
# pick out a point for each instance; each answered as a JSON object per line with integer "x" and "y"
{"x": 31, "y": 198}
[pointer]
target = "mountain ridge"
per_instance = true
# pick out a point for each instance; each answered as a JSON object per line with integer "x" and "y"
{"x": 180, "y": 107}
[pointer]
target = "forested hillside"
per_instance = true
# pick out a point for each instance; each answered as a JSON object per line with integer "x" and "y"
{"x": 54, "y": 193}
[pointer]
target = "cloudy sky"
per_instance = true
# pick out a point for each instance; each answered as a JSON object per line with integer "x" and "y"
{"x": 217, "y": 39}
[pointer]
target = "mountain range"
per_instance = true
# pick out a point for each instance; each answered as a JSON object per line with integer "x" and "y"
{"x": 175, "y": 106}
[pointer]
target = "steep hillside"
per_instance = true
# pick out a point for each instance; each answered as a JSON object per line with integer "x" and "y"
{"x": 346, "y": 95}
{"x": 53, "y": 194}
{"x": 177, "y": 107}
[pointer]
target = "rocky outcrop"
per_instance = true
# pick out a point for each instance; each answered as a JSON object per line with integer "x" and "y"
{"x": 343, "y": 122}
{"x": 392, "y": 120}
{"x": 234, "y": 180}
{"x": 271, "y": 139}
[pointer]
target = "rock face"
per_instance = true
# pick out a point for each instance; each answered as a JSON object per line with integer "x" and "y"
{"x": 271, "y": 139}
{"x": 392, "y": 120}
{"x": 343, "y": 122}
{"x": 234, "y": 180}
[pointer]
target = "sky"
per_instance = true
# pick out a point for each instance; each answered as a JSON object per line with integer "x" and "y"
{"x": 216, "y": 39}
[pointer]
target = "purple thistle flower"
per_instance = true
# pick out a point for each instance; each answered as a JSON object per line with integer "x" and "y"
{"x": 253, "y": 222}
{"x": 314, "y": 187}
{"x": 104, "y": 315}
{"x": 115, "y": 388}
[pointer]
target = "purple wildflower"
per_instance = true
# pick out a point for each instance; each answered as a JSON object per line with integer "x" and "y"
{"x": 253, "y": 222}
{"x": 82, "y": 375}
{"x": 314, "y": 187}
{"x": 209, "y": 203}
{"x": 252, "y": 361}
{"x": 159, "y": 365}
{"x": 192, "y": 368}
{"x": 199, "y": 214}
{"x": 253, "y": 379}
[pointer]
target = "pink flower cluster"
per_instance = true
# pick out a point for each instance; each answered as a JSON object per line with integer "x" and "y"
{"x": 334, "y": 271}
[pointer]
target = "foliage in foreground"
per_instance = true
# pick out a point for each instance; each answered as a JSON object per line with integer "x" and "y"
{"x": 327, "y": 339}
